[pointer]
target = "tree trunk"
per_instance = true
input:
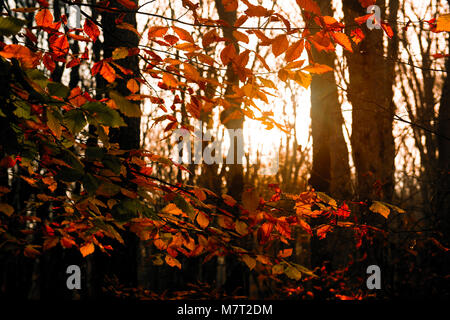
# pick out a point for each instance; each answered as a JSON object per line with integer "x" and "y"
{"x": 370, "y": 93}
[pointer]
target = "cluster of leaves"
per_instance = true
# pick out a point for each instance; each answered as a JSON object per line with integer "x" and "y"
{"x": 106, "y": 189}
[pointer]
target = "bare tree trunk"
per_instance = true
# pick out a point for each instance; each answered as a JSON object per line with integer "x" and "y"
{"x": 370, "y": 93}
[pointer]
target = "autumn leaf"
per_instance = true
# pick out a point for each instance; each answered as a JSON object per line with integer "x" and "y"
{"x": 183, "y": 34}
{"x": 249, "y": 261}
{"x": 285, "y": 253}
{"x": 343, "y": 40}
{"x": 157, "y": 31}
{"x": 44, "y": 18}
{"x": 366, "y": 3}
{"x": 91, "y": 29}
{"x": 132, "y": 85}
{"x": 239, "y": 36}
{"x": 363, "y": 19}
{"x": 6, "y": 209}
{"x": 228, "y": 54}
{"x": 127, "y": 107}
{"x": 128, "y": 4}
{"x": 87, "y": 249}
{"x": 202, "y": 220}
{"x": 293, "y": 273}
{"x": 241, "y": 228}
{"x": 379, "y": 207}
{"x": 294, "y": 51}
{"x": 280, "y": 44}
{"x": 171, "y": 261}
{"x": 264, "y": 232}
{"x": 230, "y": 5}
{"x": 67, "y": 242}
{"x": 31, "y": 252}
{"x": 310, "y": 6}
{"x": 387, "y": 29}
{"x": 443, "y": 23}
{"x": 277, "y": 269}
{"x": 357, "y": 35}
{"x": 317, "y": 68}
{"x": 27, "y": 58}
{"x": 170, "y": 80}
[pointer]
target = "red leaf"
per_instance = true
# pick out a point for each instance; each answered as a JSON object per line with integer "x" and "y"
{"x": 59, "y": 46}
{"x": 91, "y": 29}
{"x": 387, "y": 29}
{"x": 128, "y": 4}
{"x": 264, "y": 232}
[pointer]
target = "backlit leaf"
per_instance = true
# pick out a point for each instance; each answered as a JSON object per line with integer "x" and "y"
{"x": 87, "y": 249}
{"x": 279, "y": 45}
{"x": 127, "y": 107}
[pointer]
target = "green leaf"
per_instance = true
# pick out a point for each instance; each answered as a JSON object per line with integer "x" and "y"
{"x": 10, "y": 26}
{"x": 95, "y": 153}
{"x": 104, "y": 114}
{"x": 69, "y": 174}
{"x": 90, "y": 183}
{"x": 23, "y": 110}
{"x": 74, "y": 120}
{"x": 184, "y": 206}
{"x": 128, "y": 108}
{"x": 54, "y": 122}
{"x": 58, "y": 89}
{"x": 113, "y": 163}
{"x": 38, "y": 77}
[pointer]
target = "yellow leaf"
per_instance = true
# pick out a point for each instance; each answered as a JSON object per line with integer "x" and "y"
{"x": 6, "y": 209}
{"x": 379, "y": 207}
{"x": 443, "y": 23}
{"x": 241, "y": 228}
{"x": 277, "y": 269}
{"x": 87, "y": 249}
{"x": 293, "y": 273}
{"x": 249, "y": 261}
{"x": 120, "y": 53}
{"x": 171, "y": 208}
{"x": 303, "y": 79}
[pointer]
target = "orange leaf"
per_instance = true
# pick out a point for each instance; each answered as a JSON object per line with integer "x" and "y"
{"x": 343, "y": 40}
{"x": 157, "y": 31}
{"x": 202, "y": 220}
{"x": 171, "y": 261}
{"x": 285, "y": 253}
{"x": 169, "y": 80}
{"x": 310, "y": 6}
{"x": 133, "y": 86}
{"x": 357, "y": 35}
{"x": 317, "y": 68}
{"x": 363, "y": 19}
{"x": 264, "y": 232}
{"x": 183, "y": 34}
{"x": 228, "y": 54}
{"x": 87, "y": 249}
{"x": 294, "y": 51}
{"x": 230, "y": 5}
{"x": 67, "y": 242}
{"x": 108, "y": 72}
{"x": 249, "y": 261}
{"x": 44, "y": 18}
{"x": 27, "y": 58}
{"x": 239, "y": 36}
{"x": 279, "y": 45}
{"x": 191, "y": 72}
